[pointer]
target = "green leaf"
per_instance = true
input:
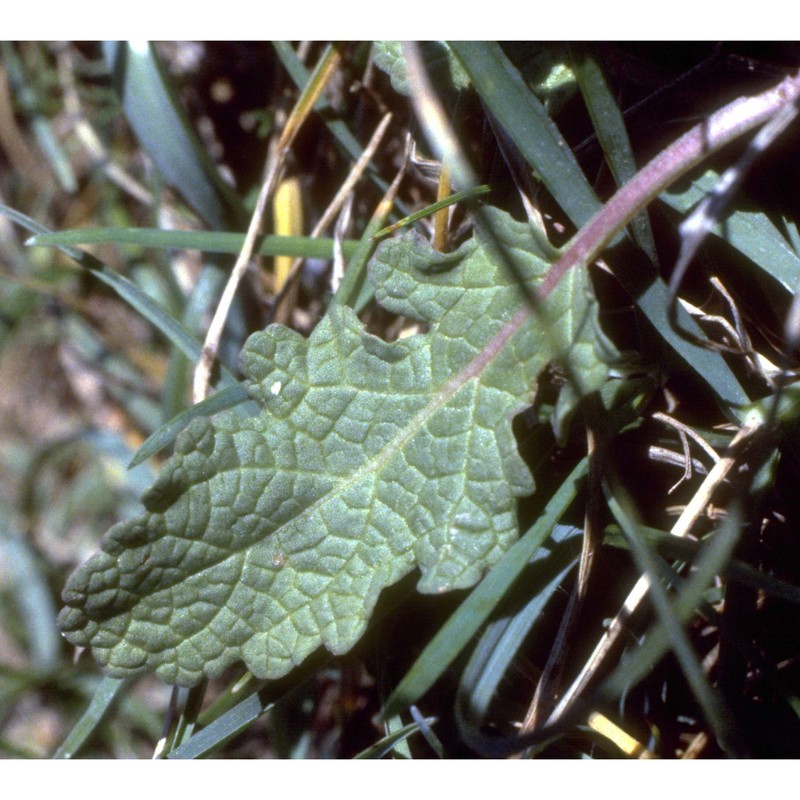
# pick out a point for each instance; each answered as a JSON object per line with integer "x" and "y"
{"x": 102, "y": 704}
{"x": 465, "y": 623}
{"x": 267, "y": 537}
{"x": 503, "y": 637}
{"x": 389, "y": 742}
{"x": 389, "y": 57}
{"x": 515, "y": 106}
{"x": 613, "y": 137}
{"x": 207, "y": 241}
{"x": 524, "y": 117}
{"x": 750, "y": 232}
{"x": 225, "y": 719}
{"x": 161, "y": 125}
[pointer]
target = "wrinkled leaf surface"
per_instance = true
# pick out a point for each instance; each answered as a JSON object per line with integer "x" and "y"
{"x": 266, "y": 537}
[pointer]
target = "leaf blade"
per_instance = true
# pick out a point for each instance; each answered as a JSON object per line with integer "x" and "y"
{"x": 750, "y": 232}
{"x": 207, "y": 241}
{"x": 163, "y": 128}
{"x": 525, "y": 119}
{"x": 267, "y": 537}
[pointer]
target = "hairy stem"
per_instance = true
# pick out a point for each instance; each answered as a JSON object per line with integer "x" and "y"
{"x": 701, "y": 141}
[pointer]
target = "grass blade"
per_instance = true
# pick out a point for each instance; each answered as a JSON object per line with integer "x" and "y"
{"x": 427, "y": 731}
{"x": 101, "y": 705}
{"x": 300, "y": 75}
{"x": 613, "y": 137}
{"x": 161, "y": 125}
{"x": 344, "y": 137}
{"x": 232, "y": 722}
{"x": 672, "y": 620}
{"x": 503, "y": 637}
{"x": 674, "y": 547}
{"x": 468, "y": 194}
{"x": 238, "y": 717}
{"x": 206, "y": 241}
{"x": 388, "y": 743}
{"x": 165, "y": 435}
{"x": 506, "y": 94}
{"x": 36, "y": 609}
{"x": 456, "y": 633}
{"x": 161, "y": 320}
{"x": 752, "y": 233}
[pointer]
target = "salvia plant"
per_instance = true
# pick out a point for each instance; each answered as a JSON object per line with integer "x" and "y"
{"x": 507, "y": 464}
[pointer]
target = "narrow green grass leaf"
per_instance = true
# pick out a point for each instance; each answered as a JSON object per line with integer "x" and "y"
{"x": 344, "y": 137}
{"x": 503, "y": 637}
{"x": 674, "y": 547}
{"x": 506, "y": 94}
{"x": 652, "y": 297}
{"x": 458, "y": 197}
{"x": 175, "y": 387}
{"x": 354, "y": 290}
{"x": 161, "y": 320}
{"x": 752, "y": 233}
{"x": 238, "y": 716}
{"x": 223, "y": 729}
{"x": 36, "y": 611}
{"x": 162, "y": 127}
{"x": 389, "y": 742}
{"x": 55, "y": 153}
{"x": 427, "y": 731}
{"x": 101, "y": 705}
{"x": 182, "y": 723}
{"x": 225, "y": 398}
{"x": 671, "y": 617}
{"x": 792, "y": 232}
{"x": 205, "y": 241}
{"x": 613, "y": 137}
{"x": 473, "y": 613}
{"x": 298, "y": 72}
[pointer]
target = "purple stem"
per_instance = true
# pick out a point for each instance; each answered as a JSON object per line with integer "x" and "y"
{"x": 719, "y": 129}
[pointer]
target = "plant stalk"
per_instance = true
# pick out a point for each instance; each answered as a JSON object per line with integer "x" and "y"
{"x": 705, "y": 138}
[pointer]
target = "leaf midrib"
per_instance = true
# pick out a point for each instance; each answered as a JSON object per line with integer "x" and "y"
{"x": 471, "y": 371}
